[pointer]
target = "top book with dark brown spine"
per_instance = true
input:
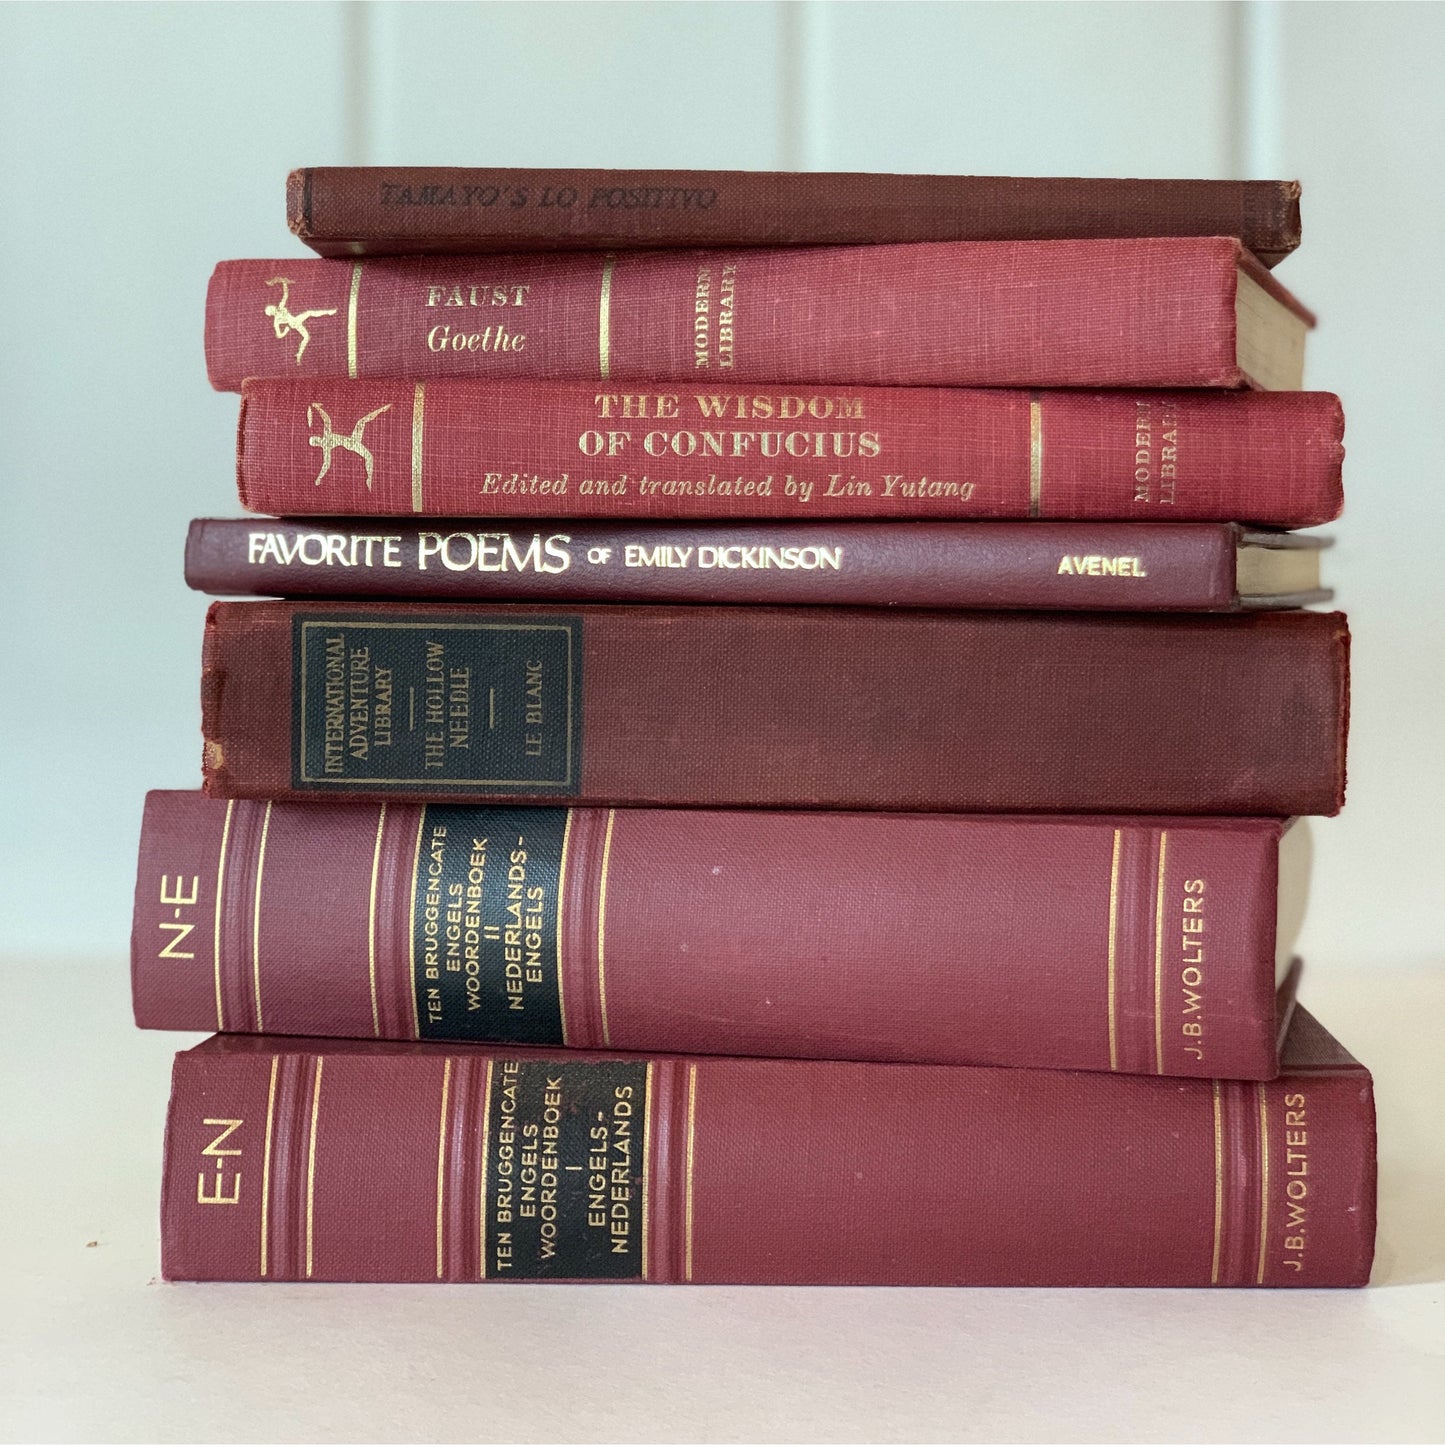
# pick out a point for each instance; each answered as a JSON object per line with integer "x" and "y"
{"x": 405, "y": 210}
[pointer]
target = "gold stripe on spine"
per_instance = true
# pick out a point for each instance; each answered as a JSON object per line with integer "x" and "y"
{"x": 351, "y": 366}
{"x": 442, "y": 1166}
{"x": 1036, "y": 456}
{"x": 1218, "y": 1182}
{"x": 1159, "y": 955}
{"x": 418, "y": 406}
{"x": 411, "y": 927}
{"x": 687, "y": 1192}
{"x": 482, "y": 1186}
{"x": 604, "y": 318}
{"x": 1263, "y": 1181}
{"x": 311, "y": 1171}
{"x": 371, "y": 923}
{"x": 561, "y": 897}
{"x": 256, "y": 921}
{"x": 216, "y": 944}
{"x": 1113, "y": 929}
{"x": 266, "y": 1167}
{"x": 646, "y": 1158}
{"x": 602, "y": 927}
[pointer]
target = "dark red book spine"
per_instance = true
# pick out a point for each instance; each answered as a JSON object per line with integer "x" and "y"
{"x": 1151, "y": 313}
{"x": 308, "y": 1160}
{"x": 472, "y": 448}
{"x": 381, "y": 210}
{"x": 1140, "y": 566}
{"x": 804, "y": 707}
{"x": 1138, "y": 945}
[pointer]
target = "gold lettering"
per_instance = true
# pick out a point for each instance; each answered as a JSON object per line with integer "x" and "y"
{"x": 183, "y": 900}
{"x": 181, "y": 932}
{"x": 1097, "y": 566}
{"x": 216, "y": 1149}
{"x": 234, "y": 1197}
{"x": 172, "y": 895}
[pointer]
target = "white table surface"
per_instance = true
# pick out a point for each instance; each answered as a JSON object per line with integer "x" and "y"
{"x": 94, "y": 1346}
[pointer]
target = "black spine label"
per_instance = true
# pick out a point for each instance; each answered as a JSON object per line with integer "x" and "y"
{"x": 566, "y": 1171}
{"x": 444, "y": 702}
{"x": 484, "y": 924}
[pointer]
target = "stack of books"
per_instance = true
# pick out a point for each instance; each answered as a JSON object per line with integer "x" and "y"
{"x": 775, "y": 761}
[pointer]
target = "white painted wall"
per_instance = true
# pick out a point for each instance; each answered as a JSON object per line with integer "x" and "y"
{"x": 141, "y": 143}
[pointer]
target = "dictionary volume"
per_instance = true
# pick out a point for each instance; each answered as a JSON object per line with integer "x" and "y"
{"x": 776, "y": 707}
{"x": 1052, "y": 942}
{"x": 1106, "y": 566}
{"x": 352, "y": 211}
{"x": 297, "y": 1159}
{"x": 1195, "y": 312}
{"x": 479, "y": 448}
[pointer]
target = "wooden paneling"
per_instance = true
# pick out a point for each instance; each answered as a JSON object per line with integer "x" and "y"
{"x": 141, "y": 143}
{"x": 1363, "y": 125}
{"x": 1023, "y": 89}
{"x": 577, "y": 84}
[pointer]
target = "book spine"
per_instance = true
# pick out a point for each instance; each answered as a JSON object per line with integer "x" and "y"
{"x": 295, "y": 1160}
{"x": 380, "y": 210}
{"x": 1151, "y": 313}
{"x": 1143, "y": 946}
{"x": 567, "y": 449}
{"x": 1134, "y": 567}
{"x": 777, "y": 707}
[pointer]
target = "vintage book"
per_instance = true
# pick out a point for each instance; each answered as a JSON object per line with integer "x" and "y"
{"x": 1079, "y": 566}
{"x": 1142, "y": 945}
{"x": 1187, "y": 312}
{"x": 392, "y": 210}
{"x": 809, "y": 707}
{"x": 296, "y": 1159}
{"x": 470, "y": 448}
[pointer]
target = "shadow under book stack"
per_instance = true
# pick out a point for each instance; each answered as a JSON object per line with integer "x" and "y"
{"x": 775, "y": 760}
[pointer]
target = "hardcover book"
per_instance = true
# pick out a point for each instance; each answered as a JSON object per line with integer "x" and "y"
{"x": 1190, "y": 312}
{"x": 1139, "y": 567}
{"x": 292, "y": 1159}
{"x": 803, "y": 707}
{"x": 389, "y": 210}
{"x": 1143, "y": 945}
{"x": 475, "y": 448}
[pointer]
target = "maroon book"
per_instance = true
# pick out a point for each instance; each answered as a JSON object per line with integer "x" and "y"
{"x": 390, "y": 210}
{"x": 806, "y": 707}
{"x": 477, "y": 448}
{"x": 1142, "y": 945}
{"x": 1191, "y": 312}
{"x": 1077, "y": 566}
{"x": 309, "y": 1159}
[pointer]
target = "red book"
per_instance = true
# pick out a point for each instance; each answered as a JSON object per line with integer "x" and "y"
{"x": 1143, "y": 945}
{"x": 1150, "y": 313}
{"x": 307, "y": 1159}
{"x": 807, "y": 707}
{"x": 1107, "y": 566}
{"x": 475, "y": 448}
{"x": 390, "y": 210}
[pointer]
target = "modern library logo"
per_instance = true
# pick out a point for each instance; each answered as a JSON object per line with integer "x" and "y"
{"x": 285, "y": 322}
{"x": 328, "y": 439}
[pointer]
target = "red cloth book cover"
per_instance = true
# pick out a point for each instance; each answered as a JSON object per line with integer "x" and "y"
{"x": 388, "y": 210}
{"x": 805, "y": 707}
{"x": 1121, "y": 313}
{"x": 296, "y": 1159}
{"x": 1143, "y": 945}
{"x": 520, "y": 448}
{"x": 1073, "y": 566}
